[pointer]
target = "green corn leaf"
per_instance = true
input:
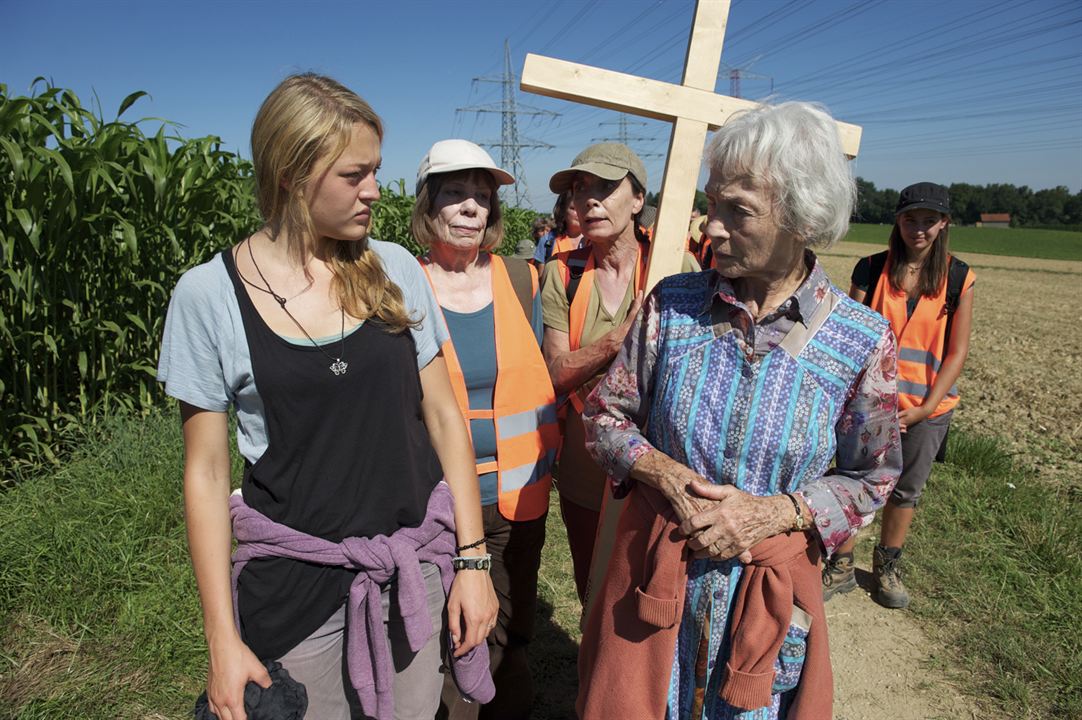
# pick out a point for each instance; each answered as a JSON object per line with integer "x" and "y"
{"x": 129, "y": 101}
{"x": 129, "y": 236}
{"x": 136, "y": 321}
{"x": 15, "y": 155}
{"x": 24, "y": 220}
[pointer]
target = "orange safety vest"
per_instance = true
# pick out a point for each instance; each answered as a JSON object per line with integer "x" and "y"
{"x": 523, "y": 404}
{"x": 581, "y": 301}
{"x": 921, "y": 339}
{"x": 704, "y": 253}
{"x": 567, "y": 244}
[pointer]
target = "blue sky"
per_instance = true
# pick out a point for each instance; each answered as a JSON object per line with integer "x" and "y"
{"x": 950, "y": 90}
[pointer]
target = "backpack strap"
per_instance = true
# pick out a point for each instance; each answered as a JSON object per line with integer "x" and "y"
{"x": 522, "y": 280}
{"x": 876, "y": 264}
{"x": 957, "y": 270}
{"x": 576, "y": 266}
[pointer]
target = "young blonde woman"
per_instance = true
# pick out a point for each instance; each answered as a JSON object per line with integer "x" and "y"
{"x": 359, "y": 482}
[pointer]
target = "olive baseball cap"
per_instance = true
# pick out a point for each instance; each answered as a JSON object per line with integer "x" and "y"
{"x": 453, "y": 155}
{"x": 611, "y": 161}
{"x": 924, "y": 196}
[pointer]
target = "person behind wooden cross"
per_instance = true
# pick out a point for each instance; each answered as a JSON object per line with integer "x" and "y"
{"x": 590, "y": 296}
{"x": 750, "y": 421}
{"x": 493, "y": 312}
{"x": 565, "y": 234}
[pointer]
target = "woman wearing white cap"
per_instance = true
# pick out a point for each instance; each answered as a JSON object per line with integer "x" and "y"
{"x": 493, "y": 312}
{"x": 590, "y": 296}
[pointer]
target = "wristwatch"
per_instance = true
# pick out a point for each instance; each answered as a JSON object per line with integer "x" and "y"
{"x": 481, "y": 562}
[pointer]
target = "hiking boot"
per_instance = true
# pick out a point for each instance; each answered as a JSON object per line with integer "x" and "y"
{"x": 889, "y": 590}
{"x": 838, "y": 575}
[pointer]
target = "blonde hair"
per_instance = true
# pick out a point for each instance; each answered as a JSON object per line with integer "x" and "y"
{"x": 422, "y": 226}
{"x": 304, "y": 125}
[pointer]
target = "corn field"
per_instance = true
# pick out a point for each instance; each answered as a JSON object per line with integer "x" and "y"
{"x": 98, "y": 222}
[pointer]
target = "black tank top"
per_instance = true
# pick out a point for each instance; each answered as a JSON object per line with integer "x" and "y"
{"x": 347, "y": 456}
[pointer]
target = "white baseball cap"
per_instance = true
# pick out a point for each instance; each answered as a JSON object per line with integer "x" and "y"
{"x": 451, "y": 155}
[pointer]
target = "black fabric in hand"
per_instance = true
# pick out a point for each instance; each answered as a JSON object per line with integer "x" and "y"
{"x": 285, "y": 699}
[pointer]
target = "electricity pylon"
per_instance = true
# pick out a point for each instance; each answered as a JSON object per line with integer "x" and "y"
{"x": 510, "y": 144}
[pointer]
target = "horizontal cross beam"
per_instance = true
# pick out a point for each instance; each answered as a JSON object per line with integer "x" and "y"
{"x": 643, "y": 96}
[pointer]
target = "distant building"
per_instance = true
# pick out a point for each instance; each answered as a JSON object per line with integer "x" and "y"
{"x": 995, "y": 220}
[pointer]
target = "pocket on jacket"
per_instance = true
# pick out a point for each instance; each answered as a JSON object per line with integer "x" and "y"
{"x": 790, "y": 661}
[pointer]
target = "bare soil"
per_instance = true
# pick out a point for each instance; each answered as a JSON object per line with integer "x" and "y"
{"x": 884, "y": 664}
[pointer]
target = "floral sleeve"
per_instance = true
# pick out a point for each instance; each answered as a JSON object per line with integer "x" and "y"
{"x": 869, "y": 455}
{"x": 617, "y": 409}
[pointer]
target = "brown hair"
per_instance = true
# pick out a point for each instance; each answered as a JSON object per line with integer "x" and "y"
{"x": 559, "y": 213}
{"x": 422, "y": 226}
{"x": 304, "y": 124}
{"x": 934, "y": 271}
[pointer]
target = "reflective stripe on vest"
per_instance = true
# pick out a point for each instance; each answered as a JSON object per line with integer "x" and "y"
{"x": 921, "y": 339}
{"x": 581, "y": 301}
{"x": 524, "y": 404}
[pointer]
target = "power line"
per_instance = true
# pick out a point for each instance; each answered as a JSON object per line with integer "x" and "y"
{"x": 624, "y": 137}
{"x": 510, "y": 144}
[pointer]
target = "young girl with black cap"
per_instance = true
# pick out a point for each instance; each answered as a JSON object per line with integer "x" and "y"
{"x": 927, "y": 295}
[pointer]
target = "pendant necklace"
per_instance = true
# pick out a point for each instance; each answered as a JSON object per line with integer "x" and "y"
{"x": 338, "y": 366}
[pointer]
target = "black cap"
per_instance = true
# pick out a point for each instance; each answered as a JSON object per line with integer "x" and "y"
{"x": 924, "y": 195}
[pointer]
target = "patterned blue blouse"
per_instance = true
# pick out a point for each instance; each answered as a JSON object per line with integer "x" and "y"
{"x": 766, "y": 407}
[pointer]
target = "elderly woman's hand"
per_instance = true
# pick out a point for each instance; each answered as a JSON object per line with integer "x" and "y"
{"x": 735, "y": 521}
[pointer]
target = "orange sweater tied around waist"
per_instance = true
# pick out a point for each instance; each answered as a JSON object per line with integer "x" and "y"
{"x": 625, "y": 659}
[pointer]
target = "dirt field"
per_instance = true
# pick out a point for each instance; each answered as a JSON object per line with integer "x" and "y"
{"x": 1023, "y": 378}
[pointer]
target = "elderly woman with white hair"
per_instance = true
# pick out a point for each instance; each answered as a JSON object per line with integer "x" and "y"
{"x": 734, "y": 391}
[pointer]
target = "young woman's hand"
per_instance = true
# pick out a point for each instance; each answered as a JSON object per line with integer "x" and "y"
{"x": 471, "y": 610}
{"x": 911, "y": 416}
{"x": 232, "y": 665}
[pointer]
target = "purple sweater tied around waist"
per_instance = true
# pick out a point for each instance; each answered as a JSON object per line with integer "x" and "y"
{"x": 377, "y": 560}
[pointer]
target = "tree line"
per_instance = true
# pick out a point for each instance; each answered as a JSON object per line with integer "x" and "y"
{"x": 1051, "y": 208}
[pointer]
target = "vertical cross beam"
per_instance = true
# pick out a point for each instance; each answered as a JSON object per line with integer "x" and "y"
{"x": 686, "y": 143}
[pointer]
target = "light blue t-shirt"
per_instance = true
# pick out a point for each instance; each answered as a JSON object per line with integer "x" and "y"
{"x": 205, "y": 360}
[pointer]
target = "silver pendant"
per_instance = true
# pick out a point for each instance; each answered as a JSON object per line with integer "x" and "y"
{"x": 339, "y": 366}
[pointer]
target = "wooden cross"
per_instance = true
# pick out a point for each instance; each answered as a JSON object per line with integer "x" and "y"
{"x": 692, "y": 108}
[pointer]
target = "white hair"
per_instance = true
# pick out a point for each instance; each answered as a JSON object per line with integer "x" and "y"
{"x": 793, "y": 150}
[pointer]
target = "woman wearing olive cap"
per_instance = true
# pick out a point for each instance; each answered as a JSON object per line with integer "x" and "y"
{"x": 589, "y": 297}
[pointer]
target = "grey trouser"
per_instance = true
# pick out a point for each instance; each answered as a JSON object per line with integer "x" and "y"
{"x": 319, "y": 661}
{"x": 920, "y": 443}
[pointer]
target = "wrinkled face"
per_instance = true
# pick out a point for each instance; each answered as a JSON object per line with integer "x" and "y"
{"x": 920, "y": 228}
{"x": 461, "y": 207}
{"x": 744, "y": 233}
{"x": 340, "y": 196}
{"x": 605, "y": 208}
